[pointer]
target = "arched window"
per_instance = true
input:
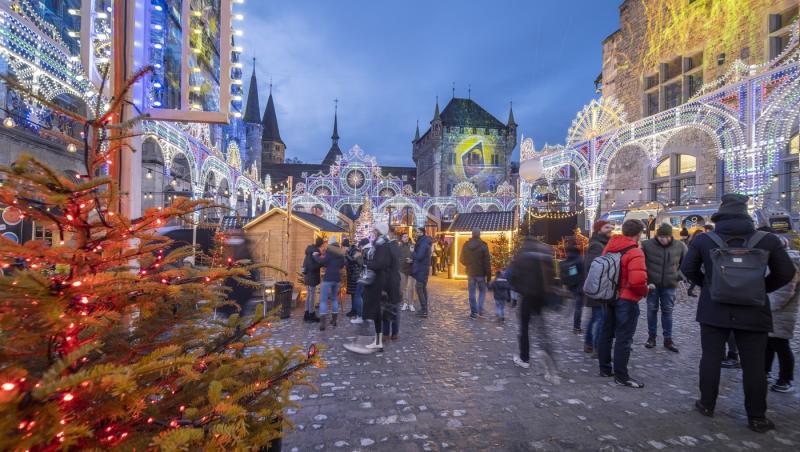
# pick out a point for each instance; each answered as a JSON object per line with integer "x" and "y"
{"x": 673, "y": 180}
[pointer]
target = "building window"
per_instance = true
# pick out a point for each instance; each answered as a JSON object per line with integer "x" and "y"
{"x": 672, "y": 95}
{"x": 674, "y": 180}
{"x": 43, "y": 233}
{"x": 676, "y": 81}
{"x": 780, "y": 31}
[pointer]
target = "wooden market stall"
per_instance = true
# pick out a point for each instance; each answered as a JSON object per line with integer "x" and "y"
{"x": 492, "y": 226}
{"x": 267, "y": 238}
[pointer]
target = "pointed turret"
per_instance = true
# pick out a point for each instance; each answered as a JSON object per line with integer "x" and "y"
{"x": 334, "y": 151}
{"x": 436, "y": 115}
{"x": 511, "y": 122}
{"x": 251, "y": 111}
{"x": 416, "y": 134}
{"x": 270, "y": 122}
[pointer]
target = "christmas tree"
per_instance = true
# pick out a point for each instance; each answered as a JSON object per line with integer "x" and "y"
{"x": 501, "y": 253}
{"x": 119, "y": 348}
{"x": 364, "y": 220}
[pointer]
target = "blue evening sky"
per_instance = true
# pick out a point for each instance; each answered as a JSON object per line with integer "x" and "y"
{"x": 386, "y": 61}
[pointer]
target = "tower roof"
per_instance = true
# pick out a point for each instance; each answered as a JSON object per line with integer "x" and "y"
{"x": 334, "y": 151}
{"x": 467, "y": 113}
{"x": 436, "y": 115}
{"x": 511, "y": 121}
{"x": 270, "y": 123}
{"x": 251, "y": 111}
{"x": 416, "y": 134}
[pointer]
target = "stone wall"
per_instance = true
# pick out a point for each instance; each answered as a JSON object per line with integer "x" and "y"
{"x": 627, "y": 171}
{"x": 15, "y": 142}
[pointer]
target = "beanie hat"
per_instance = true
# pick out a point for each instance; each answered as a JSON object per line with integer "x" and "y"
{"x": 733, "y": 205}
{"x": 382, "y": 228}
{"x": 665, "y": 230}
{"x": 598, "y": 225}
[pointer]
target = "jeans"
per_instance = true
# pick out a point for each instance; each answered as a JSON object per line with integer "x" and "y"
{"x": 311, "y": 298}
{"x": 594, "y": 327}
{"x": 329, "y": 289}
{"x": 358, "y": 300}
{"x": 407, "y": 288}
{"x": 528, "y": 313}
{"x": 780, "y": 346}
{"x": 751, "y": 345}
{"x": 480, "y": 281}
{"x": 664, "y": 298}
{"x": 422, "y": 296}
{"x": 619, "y": 323}
{"x": 500, "y": 307}
{"x": 576, "y": 317}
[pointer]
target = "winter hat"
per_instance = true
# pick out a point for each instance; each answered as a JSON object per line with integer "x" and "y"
{"x": 598, "y": 225}
{"x": 733, "y": 205}
{"x": 382, "y": 228}
{"x": 665, "y": 230}
{"x": 332, "y": 240}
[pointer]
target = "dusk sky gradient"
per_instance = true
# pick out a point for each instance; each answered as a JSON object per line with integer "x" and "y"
{"x": 386, "y": 61}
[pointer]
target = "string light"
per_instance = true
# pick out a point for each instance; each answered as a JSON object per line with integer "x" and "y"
{"x": 9, "y": 123}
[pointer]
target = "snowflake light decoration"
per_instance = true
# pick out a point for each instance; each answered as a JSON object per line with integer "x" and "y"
{"x": 597, "y": 118}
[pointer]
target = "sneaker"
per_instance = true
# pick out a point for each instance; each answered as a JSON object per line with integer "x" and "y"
{"x": 411, "y": 308}
{"x": 404, "y": 307}
{"x": 630, "y": 382}
{"x": 356, "y": 320}
{"x": 708, "y": 412}
{"x": 473, "y": 316}
{"x": 651, "y": 342}
{"x": 782, "y": 386}
{"x": 588, "y": 349}
{"x": 605, "y": 373}
{"x": 519, "y": 362}
{"x": 760, "y": 424}
{"x": 731, "y": 364}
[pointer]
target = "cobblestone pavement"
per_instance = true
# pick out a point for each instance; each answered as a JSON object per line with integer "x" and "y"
{"x": 448, "y": 383}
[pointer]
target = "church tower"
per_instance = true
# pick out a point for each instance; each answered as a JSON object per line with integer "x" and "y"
{"x": 252, "y": 122}
{"x": 273, "y": 150}
{"x": 334, "y": 151}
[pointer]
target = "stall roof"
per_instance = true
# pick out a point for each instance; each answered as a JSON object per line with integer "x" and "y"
{"x": 485, "y": 221}
{"x": 308, "y": 218}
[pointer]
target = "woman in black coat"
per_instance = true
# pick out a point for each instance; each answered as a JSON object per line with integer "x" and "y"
{"x": 379, "y": 260}
{"x": 353, "y": 267}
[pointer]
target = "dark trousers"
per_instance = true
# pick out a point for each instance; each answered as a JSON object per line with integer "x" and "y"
{"x": 576, "y": 316}
{"x": 780, "y": 346}
{"x": 619, "y": 323}
{"x": 732, "y": 352}
{"x": 751, "y": 345}
{"x": 530, "y": 311}
{"x": 422, "y": 296}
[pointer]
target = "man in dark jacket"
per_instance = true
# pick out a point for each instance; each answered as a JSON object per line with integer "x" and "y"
{"x": 663, "y": 256}
{"x": 572, "y": 274}
{"x": 334, "y": 261}
{"x": 420, "y": 268}
{"x": 406, "y": 281}
{"x": 475, "y": 257}
{"x": 311, "y": 279}
{"x": 749, "y": 324}
{"x": 601, "y": 232}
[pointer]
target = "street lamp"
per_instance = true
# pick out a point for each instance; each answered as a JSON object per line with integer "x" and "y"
{"x": 9, "y": 122}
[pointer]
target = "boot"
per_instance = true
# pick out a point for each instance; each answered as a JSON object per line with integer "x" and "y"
{"x": 351, "y": 313}
{"x": 651, "y": 342}
{"x": 333, "y": 319}
{"x": 312, "y": 317}
{"x": 377, "y": 344}
{"x": 323, "y": 322}
{"x": 669, "y": 345}
{"x": 306, "y": 317}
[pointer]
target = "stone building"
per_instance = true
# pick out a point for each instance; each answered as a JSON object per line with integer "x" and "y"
{"x": 464, "y": 143}
{"x": 666, "y": 53}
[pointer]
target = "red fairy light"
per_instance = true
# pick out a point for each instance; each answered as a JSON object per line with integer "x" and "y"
{"x": 149, "y": 420}
{"x": 76, "y": 284}
{"x": 173, "y": 423}
{"x": 8, "y": 386}
{"x": 182, "y": 409}
{"x": 110, "y": 437}
{"x": 208, "y": 279}
{"x": 85, "y": 300}
{"x": 110, "y": 214}
{"x": 70, "y": 217}
{"x": 163, "y": 281}
{"x": 62, "y": 421}
{"x": 108, "y": 429}
{"x": 123, "y": 434}
{"x": 22, "y": 425}
{"x": 68, "y": 397}
{"x": 82, "y": 205}
{"x": 69, "y": 338}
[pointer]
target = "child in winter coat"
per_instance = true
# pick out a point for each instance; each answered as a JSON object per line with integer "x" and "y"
{"x": 501, "y": 289}
{"x": 784, "y": 306}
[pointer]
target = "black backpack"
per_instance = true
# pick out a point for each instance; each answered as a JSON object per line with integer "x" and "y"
{"x": 570, "y": 273}
{"x": 739, "y": 273}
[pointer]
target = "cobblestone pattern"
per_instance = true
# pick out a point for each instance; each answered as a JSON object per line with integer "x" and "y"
{"x": 448, "y": 383}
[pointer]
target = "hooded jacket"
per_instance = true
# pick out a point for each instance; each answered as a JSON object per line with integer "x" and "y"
{"x": 784, "y": 303}
{"x": 333, "y": 260}
{"x": 633, "y": 271}
{"x": 751, "y": 318}
{"x": 422, "y": 259}
{"x": 311, "y": 276}
{"x": 663, "y": 262}
{"x": 475, "y": 257}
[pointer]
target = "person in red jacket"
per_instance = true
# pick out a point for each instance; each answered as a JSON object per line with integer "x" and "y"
{"x": 621, "y": 316}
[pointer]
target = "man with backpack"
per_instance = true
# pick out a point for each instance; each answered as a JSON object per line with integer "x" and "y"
{"x": 619, "y": 278}
{"x": 733, "y": 298}
{"x": 663, "y": 256}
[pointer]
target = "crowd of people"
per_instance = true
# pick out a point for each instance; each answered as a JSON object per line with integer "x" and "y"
{"x": 749, "y": 283}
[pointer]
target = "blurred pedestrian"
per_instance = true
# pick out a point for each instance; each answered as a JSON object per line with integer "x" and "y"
{"x": 663, "y": 257}
{"x": 572, "y": 276}
{"x": 784, "y": 305}
{"x": 475, "y": 257}
{"x": 406, "y": 280}
{"x": 420, "y": 268}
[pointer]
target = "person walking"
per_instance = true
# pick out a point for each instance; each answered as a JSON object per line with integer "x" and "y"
{"x": 353, "y": 270}
{"x": 420, "y": 268}
{"x": 445, "y": 255}
{"x": 334, "y": 261}
{"x": 601, "y": 233}
{"x": 501, "y": 290}
{"x": 650, "y": 226}
{"x": 663, "y": 256}
{"x": 436, "y": 256}
{"x": 475, "y": 257}
{"x": 621, "y": 315}
{"x": 784, "y": 305}
{"x": 311, "y": 278}
{"x": 749, "y": 320}
{"x": 571, "y": 272}
{"x": 532, "y": 277}
{"x": 406, "y": 280}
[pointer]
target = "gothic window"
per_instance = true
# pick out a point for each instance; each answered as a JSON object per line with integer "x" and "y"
{"x": 674, "y": 180}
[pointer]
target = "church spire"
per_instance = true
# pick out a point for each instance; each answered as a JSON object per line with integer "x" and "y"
{"x": 436, "y": 115}
{"x": 270, "y": 123}
{"x": 511, "y": 122}
{"x": 416, "y": 135}
{"x": 334, "y": 151}
{"x": 252, "y": 108}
